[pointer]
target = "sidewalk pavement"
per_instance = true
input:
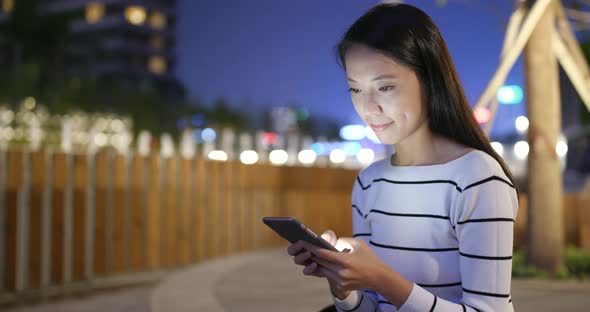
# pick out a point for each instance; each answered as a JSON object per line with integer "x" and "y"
{"x": 269, "y": 281}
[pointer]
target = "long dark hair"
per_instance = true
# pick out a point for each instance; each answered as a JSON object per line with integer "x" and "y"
{"x": 410, "y": 37}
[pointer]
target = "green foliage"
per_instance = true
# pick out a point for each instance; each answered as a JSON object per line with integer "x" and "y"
{"x": 222, "y": 116}
{"x": 577, "y": 265}
{"x": 577, "y": 262}
{"x": 34, "y": 36}
{"x": 521, "y": 269}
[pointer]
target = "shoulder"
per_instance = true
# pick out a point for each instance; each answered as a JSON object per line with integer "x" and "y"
{"x": 367, "y": 175}
{"x": 373, "y": 170}
{"x": 477, "y": 166}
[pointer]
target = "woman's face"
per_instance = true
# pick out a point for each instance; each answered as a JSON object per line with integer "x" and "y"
{"x": 386, "y": 95}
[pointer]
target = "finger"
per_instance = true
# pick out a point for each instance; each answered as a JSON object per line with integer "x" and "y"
{"x": 334, "y": 267}
{"x": 315, "y": 269}
{"x": 294, "y": 249}
{"x": 348, "y": 240}
{"x": 327, "y": 273}
{"x": 343, "y": 243}
{"x": 323, "y": 253}
{"x": 302, "y": 258}
{"x": 330, "y": 237}
{"x": 312, "y": 270}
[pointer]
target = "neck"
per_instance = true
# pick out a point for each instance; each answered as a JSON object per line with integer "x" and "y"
{"x": 421, "y": 148}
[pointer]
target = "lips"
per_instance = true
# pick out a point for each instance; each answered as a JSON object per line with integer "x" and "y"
{"x": 381, "y": 126}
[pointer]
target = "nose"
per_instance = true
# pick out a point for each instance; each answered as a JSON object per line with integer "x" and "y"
{"x": 371, "y": 106}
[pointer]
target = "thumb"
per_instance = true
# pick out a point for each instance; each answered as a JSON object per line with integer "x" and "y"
{"x": 330, "y": 237}
{"x": 346, "y": 243}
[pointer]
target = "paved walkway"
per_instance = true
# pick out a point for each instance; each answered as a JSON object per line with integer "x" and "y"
{"x": 268, "y": 281}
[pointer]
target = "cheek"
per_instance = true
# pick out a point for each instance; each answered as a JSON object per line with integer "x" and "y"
{"x": 358, "y": 106}
{"x": 407, "y": 108}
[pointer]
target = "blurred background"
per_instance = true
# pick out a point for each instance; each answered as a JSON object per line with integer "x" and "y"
{"x": 140, "y": 136}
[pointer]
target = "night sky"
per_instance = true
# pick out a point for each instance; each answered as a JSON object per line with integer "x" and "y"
{"x": 263, "y": 53}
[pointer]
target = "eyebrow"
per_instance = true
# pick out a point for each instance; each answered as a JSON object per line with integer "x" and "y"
{"x": 376, "y": 78}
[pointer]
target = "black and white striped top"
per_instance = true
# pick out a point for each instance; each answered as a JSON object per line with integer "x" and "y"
{"x": 447, "y": 228}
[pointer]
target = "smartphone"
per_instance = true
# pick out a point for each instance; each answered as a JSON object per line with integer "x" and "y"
{"x": 293, "y": 230}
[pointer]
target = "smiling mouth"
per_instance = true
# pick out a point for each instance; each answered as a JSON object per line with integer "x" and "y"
{"x": 381, "y": 127}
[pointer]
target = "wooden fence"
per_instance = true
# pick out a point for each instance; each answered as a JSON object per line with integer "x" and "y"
{"x": 71, "y": 221}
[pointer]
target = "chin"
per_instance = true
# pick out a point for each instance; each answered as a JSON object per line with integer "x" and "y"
{"x": 388, "y": 140}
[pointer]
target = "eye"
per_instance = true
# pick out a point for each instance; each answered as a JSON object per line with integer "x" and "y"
{"x": 386, "y": 88}
{"x": 353, "y": 90}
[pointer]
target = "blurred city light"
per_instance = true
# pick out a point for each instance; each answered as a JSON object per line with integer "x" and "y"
{"x": 319, "y": 148}
{"x": 521, "y": 124}
{"x": 249, "y": 157}
{"x": 100, "y": 139}
{"x": 7, "y": 133}
{"x": 208, "y": 135}
{"x": 135, "y": 14}
{"x": 510, "y": 94}
{"x": 187, "y": 145}
{"x": 521, "y": 149}
{"x": 94, "y": 12}
{"x": 217, "y": 155}
{"x": 157, "y": 65}
{"x": 158, "y": 20}
{"x": 167, "y": 149}
{"x": 307, "y": 156}
{"x": 302, "y": 114}
{"x": 30, "y": 103}
{"x": 497, "y": 146}
{"x": 117, "y": 125}
{"x": 482, "y": 115}
{"x": 337, "y": 156}
{"x": 143, "y": 143}
{"x": 6, "y": 116}
{"x": 278, "y": 157}
{"x": 352, "y": 132}
{"x": 269, "y": 138}
{"x": 561, "y": 147}
{"x": 351, "y": 148}
{"x": 7, "y": 6}
{"x": 365, "y": 156}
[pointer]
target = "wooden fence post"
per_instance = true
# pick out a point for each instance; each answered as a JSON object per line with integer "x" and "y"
{"x": 584, "y": 207}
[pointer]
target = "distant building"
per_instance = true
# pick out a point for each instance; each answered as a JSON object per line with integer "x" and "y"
{"x": 128, "y": 41}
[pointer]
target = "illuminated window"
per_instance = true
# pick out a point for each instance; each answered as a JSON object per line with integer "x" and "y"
{"x": 157, "y": 65}
{"x": 94, "y": 12}
{"x": 157, "y": 42}
{"x": 7, "y": 6}
{"x": 135, "y": 14}
{"x": 158, "y": 20}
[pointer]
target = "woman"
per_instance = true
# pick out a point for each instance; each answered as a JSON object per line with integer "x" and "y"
{"x": 432, "y": 224}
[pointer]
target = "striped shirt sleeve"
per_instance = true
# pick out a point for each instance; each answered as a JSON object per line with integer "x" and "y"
{"x": 483, "y": 219}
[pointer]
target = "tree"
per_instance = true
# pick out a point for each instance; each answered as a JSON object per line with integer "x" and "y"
{"x": 35, "y": 37}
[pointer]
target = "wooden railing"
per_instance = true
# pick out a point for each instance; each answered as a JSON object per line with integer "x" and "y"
{"x": 71, "y": 221}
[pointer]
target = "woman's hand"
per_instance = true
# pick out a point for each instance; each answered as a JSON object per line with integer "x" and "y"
{"x": 358, "y": 269}
{"x": 303, "y": 257}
